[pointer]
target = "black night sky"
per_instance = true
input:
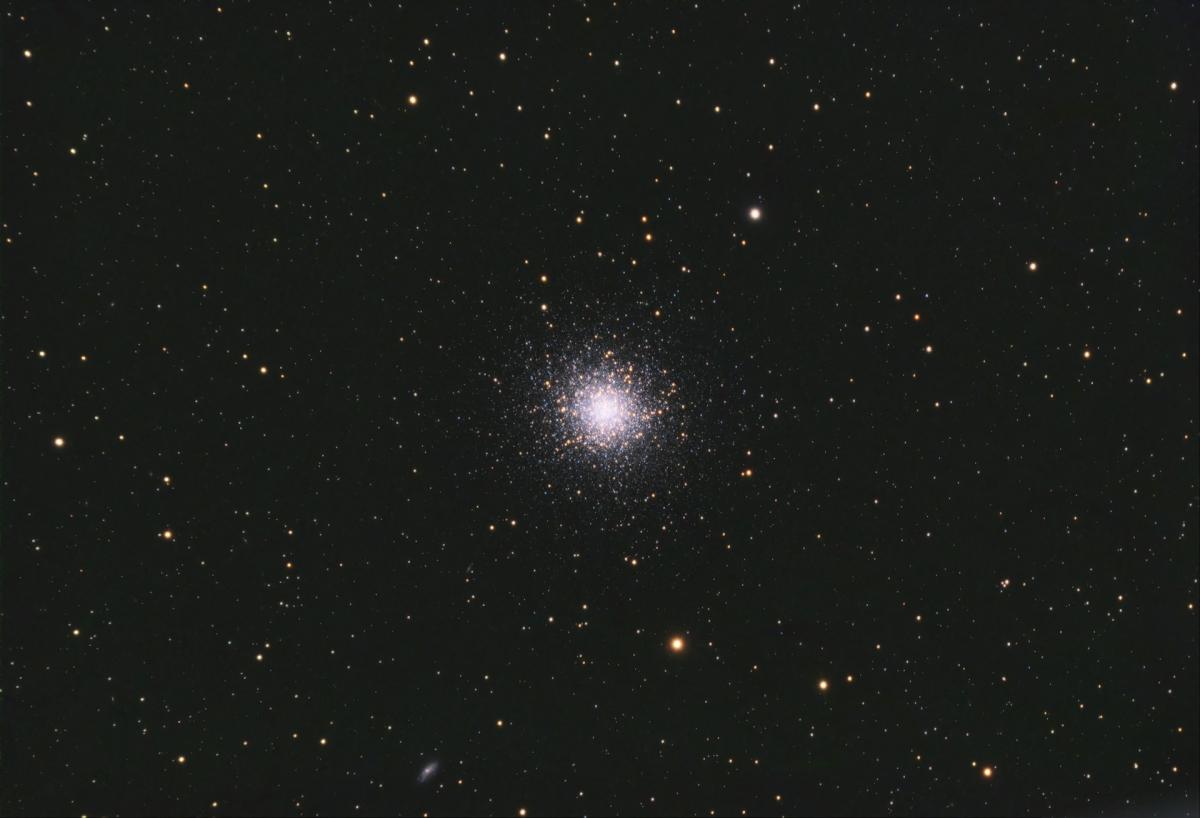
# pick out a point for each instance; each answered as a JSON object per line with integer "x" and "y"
{"x": 600, "y": 408}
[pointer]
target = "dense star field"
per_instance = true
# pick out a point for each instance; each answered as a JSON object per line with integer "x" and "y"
{"x": 600, "y": 408}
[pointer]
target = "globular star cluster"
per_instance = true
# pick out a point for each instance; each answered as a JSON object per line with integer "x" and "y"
{"x": 603, "y": 409}
{"x": 605, "y": 403}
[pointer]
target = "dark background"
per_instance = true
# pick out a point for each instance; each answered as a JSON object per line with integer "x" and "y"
{"x": 996, "y": 540}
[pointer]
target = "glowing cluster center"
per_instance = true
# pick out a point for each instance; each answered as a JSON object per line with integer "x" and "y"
{"x": 605, "y": 413}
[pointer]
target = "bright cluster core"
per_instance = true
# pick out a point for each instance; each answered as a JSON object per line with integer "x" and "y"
{"x": 601, "y": 409}
{"x": 605, "y": 413}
